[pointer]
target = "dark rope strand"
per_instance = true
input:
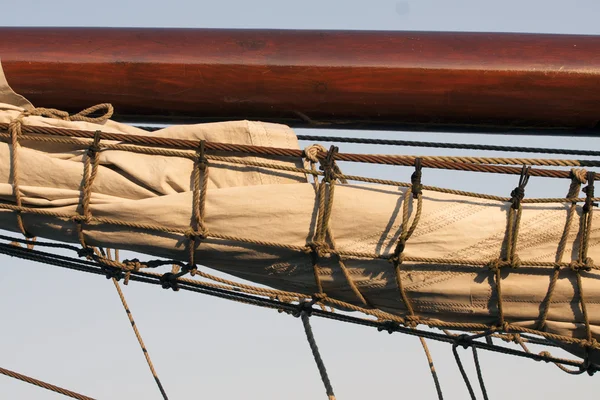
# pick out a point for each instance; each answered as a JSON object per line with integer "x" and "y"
{"x": 479, "y": 374}
{"x": 463, "y": 372}
{"x": 317, "y": 356}
{"x": 413, "y": 143}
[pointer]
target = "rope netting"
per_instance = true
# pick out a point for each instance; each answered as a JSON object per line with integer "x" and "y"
{"x": 321, "y": 164}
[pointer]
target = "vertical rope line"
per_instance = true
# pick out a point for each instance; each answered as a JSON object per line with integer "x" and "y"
{"x": 44, "y": 385}
{"x": 199, "y": 189}
{"x": 90, "y": 171}
{"x": 316, "y": 355}
{"x": 14, "y": 128}
{"x": 573, "y": 191}
{"x": 462, "y": 372}
{"x": 139, "y": 339}
{"x": 315, "y": 234}
{"x": 586, "y": 227}
{"x": 479, "y": 373}
{"x": 434, "y": 375}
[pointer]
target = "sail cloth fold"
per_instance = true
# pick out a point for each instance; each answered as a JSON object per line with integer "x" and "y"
{"x": 278, "y": 208}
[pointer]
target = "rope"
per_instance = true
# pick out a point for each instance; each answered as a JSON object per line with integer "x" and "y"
{"x": 310, "y": 337}
{"x": 44, "y": 385}
{"x": 462, "y": 371}
{"x": 428, "y": 162}
{"x": 479, "y": 374}
{"x": 412, "y": 143}
{"x": 201, "y": 287}
{"x": 139, "y": 339}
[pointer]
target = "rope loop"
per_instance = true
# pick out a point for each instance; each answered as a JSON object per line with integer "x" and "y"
{"x": 518, "y": 194}
{"x": 311, "y": 152}
{"x": 415, "y": 179}
{"x": 578, "y": 175}
{"x": 84, "y": 115}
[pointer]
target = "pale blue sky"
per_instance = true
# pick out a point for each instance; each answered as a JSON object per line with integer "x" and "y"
{"x": 69, "y": 328}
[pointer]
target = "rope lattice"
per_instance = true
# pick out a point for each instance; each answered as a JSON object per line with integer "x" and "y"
{"x": 322, "y": 242}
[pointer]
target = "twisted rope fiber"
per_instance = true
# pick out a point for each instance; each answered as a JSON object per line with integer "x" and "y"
{"x": 310, "y": 337}
{"x": 200, "y": 287}
{"x": 431, "y": 162}
{"x": 139, "y": 339}
{"x": 44, "y": 385}
{"x": 191, "y": 155}
{"x": 412, "y": 143}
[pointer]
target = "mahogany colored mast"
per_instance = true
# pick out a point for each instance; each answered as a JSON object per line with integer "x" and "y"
{"x": 400, "y": 80}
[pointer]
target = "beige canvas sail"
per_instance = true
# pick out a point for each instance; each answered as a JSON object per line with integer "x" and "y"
{"x": 278, "y": 207}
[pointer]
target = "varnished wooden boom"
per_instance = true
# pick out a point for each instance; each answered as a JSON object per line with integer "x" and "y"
{"x": 401, "y": 80}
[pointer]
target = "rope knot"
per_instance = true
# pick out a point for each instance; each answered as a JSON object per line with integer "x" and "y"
{"x": 462, "y": 340}
{"x": 495, "y": 265}
{"x": 311, "y": 152}
{"x": 328, "y": 164}
{"x": 191, "y": 234}
{"x": 518, "y": 194}
{"x": 589, "y": 192}
{"x": 389, "y": 326}
{"x": 412, "y": 321}
{"x": 515, "y": 262}
{"x": 201, "y": 156}
{"x": 95, "y": 146}
{"x": 579, "y": 175}
{"x": 415, "y": 179}
{"x": 168, "y": 280}
{"x": 86, "y": 252}
{"x": 577, "y": 266}
{"x": 320, "y": 249}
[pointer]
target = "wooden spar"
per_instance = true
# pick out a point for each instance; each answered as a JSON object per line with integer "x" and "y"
{"x": 398, "y": 80}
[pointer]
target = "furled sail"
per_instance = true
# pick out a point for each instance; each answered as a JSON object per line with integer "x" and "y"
{"x": 356, "y": 243}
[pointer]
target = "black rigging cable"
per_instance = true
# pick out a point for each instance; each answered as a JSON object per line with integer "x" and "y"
{"x": 413, "y": 143}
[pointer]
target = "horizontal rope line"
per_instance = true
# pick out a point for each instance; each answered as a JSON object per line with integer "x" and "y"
{"x": 274, "y": 151}
{"x": 414, "y": 143}
{"x": 199, "y": 287}
{"x": 481, "y": 263}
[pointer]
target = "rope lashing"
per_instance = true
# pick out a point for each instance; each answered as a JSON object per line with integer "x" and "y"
{"x": 460, "y": 340}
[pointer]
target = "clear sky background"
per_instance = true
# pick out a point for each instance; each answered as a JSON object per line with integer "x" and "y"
{"x": 69, "y": 328}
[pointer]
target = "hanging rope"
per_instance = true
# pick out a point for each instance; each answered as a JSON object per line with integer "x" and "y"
{"x": 304, "y": 315}
{"x": 139, "y": 339}
{"x": 45, "y": 385}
